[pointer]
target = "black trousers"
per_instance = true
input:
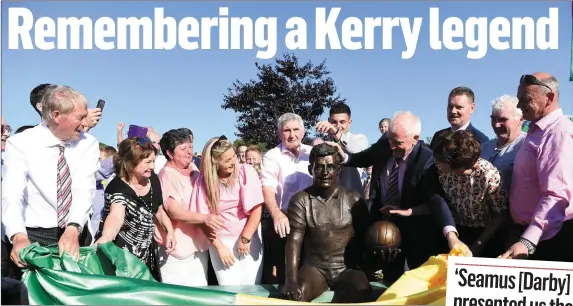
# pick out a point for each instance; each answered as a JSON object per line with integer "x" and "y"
{"x": 45, "y": 237}
{"x": 274, "y": 249}
{"x": 14, "y": 292}
{"x": 558, "y": 248}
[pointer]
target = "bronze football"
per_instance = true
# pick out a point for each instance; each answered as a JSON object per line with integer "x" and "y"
{"x": 383, "y": 235}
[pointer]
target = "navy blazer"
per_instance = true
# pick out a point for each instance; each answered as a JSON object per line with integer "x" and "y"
{"x": 478, "y": 135}
{"x": 420, "y": 184}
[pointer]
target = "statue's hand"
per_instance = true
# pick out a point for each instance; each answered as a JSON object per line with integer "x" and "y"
{"x": 388, "y": 255}
{"x": 393, "y": 253}
{"x": 292, "y": 292}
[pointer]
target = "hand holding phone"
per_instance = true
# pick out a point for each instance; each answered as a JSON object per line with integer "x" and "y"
{"x": 100, "y": 104}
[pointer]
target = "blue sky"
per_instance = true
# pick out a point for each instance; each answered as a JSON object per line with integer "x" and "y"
{"x": 178, "y": 88}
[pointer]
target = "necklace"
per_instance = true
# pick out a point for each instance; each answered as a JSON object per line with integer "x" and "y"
{"x": 138, "y": 187}
{"x": 225, "y": 182}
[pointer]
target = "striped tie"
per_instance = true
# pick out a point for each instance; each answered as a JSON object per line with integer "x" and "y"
{"x": 393, "y": 195}
{"x": 64, "y": 189}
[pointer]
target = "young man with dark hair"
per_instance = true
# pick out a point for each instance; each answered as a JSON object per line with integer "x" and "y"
{"x": 337, "y": 127}
{"x": 36, "y": 96}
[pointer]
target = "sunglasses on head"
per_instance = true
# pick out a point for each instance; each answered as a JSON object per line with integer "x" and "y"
{"x": 529, "y": 79}
{"x": 218, "y": 143}
{"x": 142, "y": 141}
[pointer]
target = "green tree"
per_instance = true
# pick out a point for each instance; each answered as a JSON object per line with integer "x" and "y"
{"x": 285, "y": 86}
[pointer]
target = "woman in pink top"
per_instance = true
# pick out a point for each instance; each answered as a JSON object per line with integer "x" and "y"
{"x": 234, "y": 192}
{"x": 186, "y": 265}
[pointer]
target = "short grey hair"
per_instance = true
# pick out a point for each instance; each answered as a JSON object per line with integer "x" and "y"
{"x": 507, "y": 102}
{"x": 63, "y": 99}
{"x": 552, "y": 83}
{"x": 288, "y": 117}
{"x": 408, "y": 121}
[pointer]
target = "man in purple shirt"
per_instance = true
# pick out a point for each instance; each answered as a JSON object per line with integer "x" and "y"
{"x": 542, "y": 187}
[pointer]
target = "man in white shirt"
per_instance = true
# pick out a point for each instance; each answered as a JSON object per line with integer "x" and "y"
{"x": 49, "y": 186}
{"x": 284, "y": 172}
{"x": 337, "y": 127}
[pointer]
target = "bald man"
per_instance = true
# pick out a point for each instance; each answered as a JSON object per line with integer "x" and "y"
{"x": 405, "y": 185}
{"x": 160, "y": 160}
{"x": 542, "y": 186}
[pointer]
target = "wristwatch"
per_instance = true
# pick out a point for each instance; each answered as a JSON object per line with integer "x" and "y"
{"x": 245, "y": 240}
{"x": 76, "y": 226}
{"x": 529, "y": 245}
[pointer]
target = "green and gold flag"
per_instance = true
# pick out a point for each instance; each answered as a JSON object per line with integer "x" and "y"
{"x": 109, "y": 275}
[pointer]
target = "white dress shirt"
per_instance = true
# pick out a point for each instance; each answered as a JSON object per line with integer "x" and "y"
{"x": 351, "y": 177}
{"x": 160, "y": 162}
{"x": 29, "y": 189}
{"x": 285, "y": 173}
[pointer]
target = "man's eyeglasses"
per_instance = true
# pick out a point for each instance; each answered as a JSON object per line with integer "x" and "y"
{"x": 529, "y": 79}
{"x": 218, "y": 143}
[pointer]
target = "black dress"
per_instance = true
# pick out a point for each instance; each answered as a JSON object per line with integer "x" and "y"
{"x": 136, "y": 233}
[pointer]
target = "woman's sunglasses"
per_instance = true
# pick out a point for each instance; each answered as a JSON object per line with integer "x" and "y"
{"x": 142, "y": 141}
{"x": 218, "y": 143}
{"x": 529, "y": 79}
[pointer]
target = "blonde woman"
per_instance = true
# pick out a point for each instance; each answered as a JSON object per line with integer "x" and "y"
{"x": 234, "y": 192}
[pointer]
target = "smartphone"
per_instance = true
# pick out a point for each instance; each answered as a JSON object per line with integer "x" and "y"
{"x": 100, "y": 104}
{"x": 136, "y": 131}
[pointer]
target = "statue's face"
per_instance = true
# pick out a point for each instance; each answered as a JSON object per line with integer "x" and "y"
{"x": 325, "y": 171}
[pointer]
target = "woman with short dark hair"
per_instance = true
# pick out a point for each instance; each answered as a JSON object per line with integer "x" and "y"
{"x": 187, "y": 264}
{"x": 474, "y": 191}
{"x": 132, "y": 200}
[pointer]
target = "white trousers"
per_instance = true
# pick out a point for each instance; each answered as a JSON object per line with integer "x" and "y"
{"x": 246, "y": 270}
{"x": 190, "y": 272}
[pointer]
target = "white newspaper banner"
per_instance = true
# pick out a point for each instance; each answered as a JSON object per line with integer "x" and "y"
{"x": 508, "y": 282}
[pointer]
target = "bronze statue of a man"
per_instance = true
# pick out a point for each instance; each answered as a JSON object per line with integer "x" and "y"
{"x": 331, "y": 221}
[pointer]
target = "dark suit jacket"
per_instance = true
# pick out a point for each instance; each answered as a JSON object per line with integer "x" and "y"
{"x": 420, "y": 185}
{"x": 422, "y": 234}
{"x": 478, "y": 135}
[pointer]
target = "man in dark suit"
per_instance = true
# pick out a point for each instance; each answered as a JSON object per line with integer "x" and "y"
{"x": 460, "y": 108}
{"x": 405, "y": 187}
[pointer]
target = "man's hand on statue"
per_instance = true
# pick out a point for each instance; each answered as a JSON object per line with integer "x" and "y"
{"x": 338, "y": 148}
{"x": 393, "y": 210}
{"x": 226, "y": 256}
{"x": 282, "y": 226}
{"x": 326, "y": 127}
{"x": 292, "y": 292}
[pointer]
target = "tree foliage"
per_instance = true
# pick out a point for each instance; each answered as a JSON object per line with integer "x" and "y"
{"x": 287, "y": 86}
